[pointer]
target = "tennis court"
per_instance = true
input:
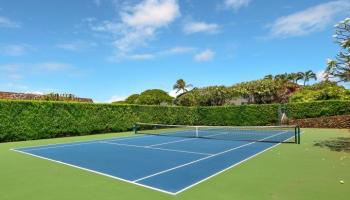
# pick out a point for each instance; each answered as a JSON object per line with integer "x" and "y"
{"x": 187, "y": 156}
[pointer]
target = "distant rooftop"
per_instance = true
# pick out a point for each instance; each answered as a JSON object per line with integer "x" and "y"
{"x": 29, "y": 96}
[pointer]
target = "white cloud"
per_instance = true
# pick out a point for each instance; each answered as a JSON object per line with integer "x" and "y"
{"x": 34, "y": 92}
{"x": 139, "y": 24}
{"x": 151, "y": 13}
{"x": 7, "y": 23}
{"x": 116, "y": 98}
{"x": 76, "y": 46}
{"x": 197, "y": 27}
{"x": 11, "y": 86}
{"x": 310, "y": 20}
{"x": 25, "y": 68}
{"x": 10, "y": 72}
{"x": 173, "y": 93}
{"x": 14, "y": 49}
{"x": 205, "y": 55}
{"x": 141, "y": 56}
{"x": 178, "y": 50}
{"x": 14, "y": 74}
{"x": 53, "y": 66}
{"x": 149, "y": 56}
{"x": 236, "y": 4}
{"x": 105, "y": 26}
{"x": 320, "y": 75}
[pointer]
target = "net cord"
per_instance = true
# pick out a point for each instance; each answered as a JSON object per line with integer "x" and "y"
{"x": 202, "y": 126}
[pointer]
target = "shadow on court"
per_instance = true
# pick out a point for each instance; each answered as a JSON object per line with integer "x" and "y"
{"x": 340, "y": 144}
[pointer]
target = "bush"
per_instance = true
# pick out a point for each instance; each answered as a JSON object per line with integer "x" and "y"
{"x": 27, "y": 120}
{"x": 154, "y": 97}
{"x": 207, "y": 96}
{"x": 325, "y": 90}
{"x": 132, "y": 99}
{"x": 260, "y": 92}
{"x": 245, "y": 115}
{"x": 318, "y": 109}
{"x": 148, "y": 97}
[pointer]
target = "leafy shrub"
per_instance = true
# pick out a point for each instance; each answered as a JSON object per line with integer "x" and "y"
{"x": 207, "y": 96}
{"x": 148, "y": 97}
{"x": 260, "y": 92}
{"x": 154, "y": 97}
{"x": 132, "y": 99}
{"x": 318, "y": 109}
{"x": 325, "y": 90}
{"x": 27, "y": 120}
{"x": 244, "y": 115}
{"x": 187, "y": 99}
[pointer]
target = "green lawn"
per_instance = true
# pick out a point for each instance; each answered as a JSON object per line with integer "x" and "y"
{"x": 288, "y": 171}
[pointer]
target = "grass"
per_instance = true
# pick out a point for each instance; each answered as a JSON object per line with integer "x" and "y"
{"x": 289, "y": 171}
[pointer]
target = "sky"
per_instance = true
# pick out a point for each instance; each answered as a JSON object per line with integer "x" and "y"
{"x": 109, "y": 49}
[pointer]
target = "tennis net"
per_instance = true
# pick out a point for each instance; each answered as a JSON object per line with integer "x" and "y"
{"x": 276, "y": 134}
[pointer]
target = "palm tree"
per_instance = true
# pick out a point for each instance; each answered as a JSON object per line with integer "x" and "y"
{"x": 339, "y": 68}
{"x": 308, "y": 75}
{"x": 294, "y": 77}
{"x": 345, "y": 75}
{"x": 336, "y": 70}
{"x": 300, "y": 76}
{"x": 282, "y": 77}
{"x": 181, "y": 85}
{"x": 268, "y": 77}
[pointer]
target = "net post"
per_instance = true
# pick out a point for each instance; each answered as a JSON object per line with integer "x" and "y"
{"x": 197, "y": 134}
{"x": 298, "y": 134}
{"x": 135, "y": 128}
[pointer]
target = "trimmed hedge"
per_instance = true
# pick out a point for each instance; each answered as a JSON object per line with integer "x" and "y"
{"x": 318, "y": 109}
{"x": 28, "y": 120}
{"x": 244, "y": 115}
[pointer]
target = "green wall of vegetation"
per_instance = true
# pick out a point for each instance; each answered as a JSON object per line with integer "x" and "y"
{"x": 28, "y": 120}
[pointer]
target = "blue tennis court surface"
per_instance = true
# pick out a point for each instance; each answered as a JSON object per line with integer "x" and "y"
{"x": 166, "y": 164}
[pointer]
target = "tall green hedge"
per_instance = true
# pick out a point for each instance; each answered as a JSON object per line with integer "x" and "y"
{"x": 244, "y": 115}
{"x": 27, "y": 120}
{"x": 318, "y": 109}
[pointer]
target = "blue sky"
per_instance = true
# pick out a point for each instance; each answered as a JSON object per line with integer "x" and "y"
{"x": 109, "y": 49}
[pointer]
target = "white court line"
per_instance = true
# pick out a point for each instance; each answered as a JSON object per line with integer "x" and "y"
{"x": 234, "y": 165}
{"x": 133, "y": 182}
{"x": 201, "y": 159}
{"x": 176, "y": 141}
{"x": 85, "y": 142}
{"x": 96, "y": 172}
{"x": 162, "y": 149}
{"x": 78, "y": 143}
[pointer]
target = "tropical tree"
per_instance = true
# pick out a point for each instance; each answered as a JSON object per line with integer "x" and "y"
{"x": 307, "y": 76}
{"x": 331, "y": 66}
{"x": 148, "y": 97}
{"x": 295, "y": 77}
{"x": 132, "y": 99}
{"x": 282, "y": 77}
{"x": 340, "y": 67}
{"x": 268, "y": 77}
{"x": 325, "y": 90}
{"x": 154, "y": 97}
{"x": 207, "y": 96}
{"x": 181, "y": 85}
